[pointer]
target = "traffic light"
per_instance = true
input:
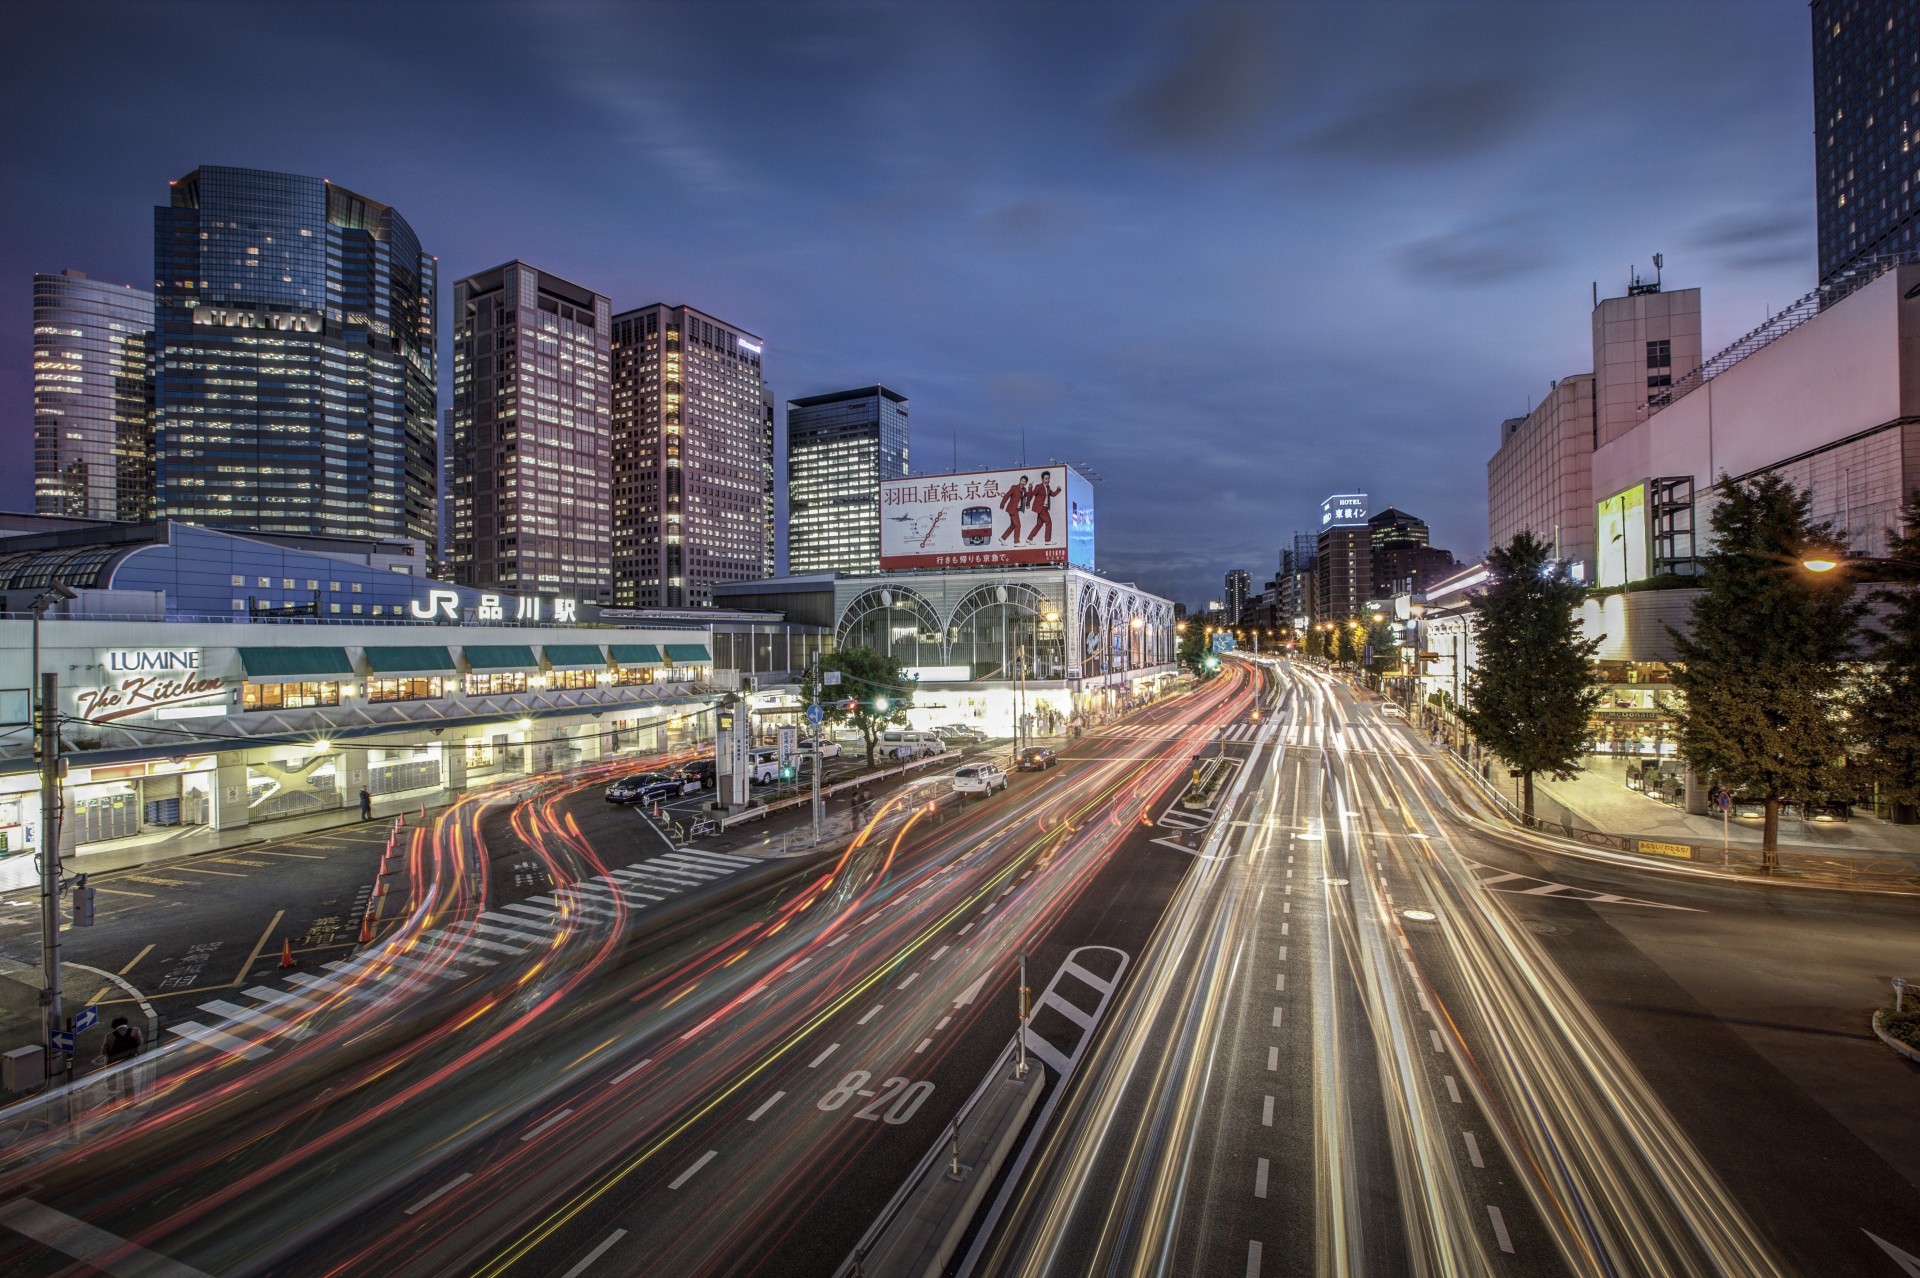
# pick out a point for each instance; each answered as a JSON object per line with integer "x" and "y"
{"x": 786, "y": 772}
{"x": 82, "y": 903}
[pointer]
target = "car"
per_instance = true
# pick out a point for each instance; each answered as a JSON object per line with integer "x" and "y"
{"x": 700, "y": 773}
{"x": 1388, "y": 707}
{"x": 1036, "y": 759}
{"x": 959, "y": 732}
{"x": 646, "y": 787}
{"x": 911, "y": 745}
{"x": 979, "y": 778}
{"x": 827, "y": 749}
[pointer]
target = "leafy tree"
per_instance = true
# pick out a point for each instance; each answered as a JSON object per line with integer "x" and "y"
{"x": 1763, "y": 665}
{"x": 1386, "y": 648}
{"x": 872, "y": 682}
{"x": 1531, "y": 694}
{"x": 1195, "y": 647}
{"x": 1889, "y": 707}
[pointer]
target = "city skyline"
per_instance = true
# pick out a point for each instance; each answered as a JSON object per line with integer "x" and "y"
{"x": 808, "y": 235}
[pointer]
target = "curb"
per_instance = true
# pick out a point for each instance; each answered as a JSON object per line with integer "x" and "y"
{"x": 1911, "y": 1054}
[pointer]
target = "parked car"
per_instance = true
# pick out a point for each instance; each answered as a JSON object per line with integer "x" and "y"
{"x": 979, "y": 778}
{"x": 1036, "y": 759}
{"x": 903, "y": 744}
{"x": 1388, "y": 707}
{"x": 827, "y": 749}
{"x": 763, "y": 766}
{"x": 959, "y": 732}
{"x": 646, "y": 787}
{"x": 700, "y": 773}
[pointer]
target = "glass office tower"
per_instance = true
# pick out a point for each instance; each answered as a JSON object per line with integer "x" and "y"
{"x": 92, "y": 398}
{"x": 839, "y": 447}
{"x": 1866, "y": 111}
{"x": 294, "y": 381}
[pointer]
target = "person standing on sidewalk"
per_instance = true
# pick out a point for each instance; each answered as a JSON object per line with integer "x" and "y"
{"x": 123, "y": 1042}
{"x": 366, "y": 804}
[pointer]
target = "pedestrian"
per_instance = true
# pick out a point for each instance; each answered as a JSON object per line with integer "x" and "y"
{"x": 366, "y": 804}
{"x": 123, "y": 1041}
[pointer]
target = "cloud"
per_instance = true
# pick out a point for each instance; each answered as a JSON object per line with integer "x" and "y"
{"x": 1215, "y": 91}
{"x": 1483, "y": 253}
{"x": 1434, "y": 120}
{"x": 1758, "y": 237}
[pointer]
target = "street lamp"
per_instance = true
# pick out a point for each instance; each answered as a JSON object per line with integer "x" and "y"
{"x": 1826, "y": 563}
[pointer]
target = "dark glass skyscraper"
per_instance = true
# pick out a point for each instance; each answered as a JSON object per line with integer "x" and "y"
{"x": 294, "y": 367}
{"x": 1866, "y": 124}
{"x": 92, "y": 398}
{"x": 839, "y": 447}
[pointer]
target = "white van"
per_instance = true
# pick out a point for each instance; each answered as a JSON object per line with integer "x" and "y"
{"x": 901, "y": 743}
{"x": 763, "y": 766}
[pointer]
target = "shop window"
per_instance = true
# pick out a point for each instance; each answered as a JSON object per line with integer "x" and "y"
{"x": 572, "y": 679}
{"x": 288, "y": 696}
{"x": 633, "y": 674}
{"x": 414, "y": 689}
{"x": 495, "y": 684}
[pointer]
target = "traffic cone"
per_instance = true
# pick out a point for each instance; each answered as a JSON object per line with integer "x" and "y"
{"x": 286, "y": 954}
{"x": 366, "y": 929}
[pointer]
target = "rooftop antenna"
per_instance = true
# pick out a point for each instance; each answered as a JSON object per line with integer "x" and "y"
{"x": 1659, "y": 260}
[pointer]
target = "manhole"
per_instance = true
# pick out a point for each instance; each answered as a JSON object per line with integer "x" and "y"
{"x": 1544, "y": 928}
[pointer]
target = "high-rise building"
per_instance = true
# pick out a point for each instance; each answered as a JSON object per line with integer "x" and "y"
{"x": 530, "y": 476}
{"x": 691, "y": 463}
{"x": 1866, "y": 115}
{"x": 1343, "y": 557}
{"x": 1403, "y": 562}
{"x": 92, "y": 398}
{"x": 1238, "y": 584}
{"x": 839, "y": 447}
{"x": 294, "y": 380}
{"x": 770, "y": 501}
{"x": 1297, "y": 588}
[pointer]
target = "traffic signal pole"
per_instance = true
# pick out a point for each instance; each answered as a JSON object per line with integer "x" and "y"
{"x": 53, "y": 1019}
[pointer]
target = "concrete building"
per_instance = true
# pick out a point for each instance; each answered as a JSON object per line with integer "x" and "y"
{"x": 1237, "y": 587}
{"x": 530, "y": 481}
{"x": 1343, "y": 557}
{"x": 1541, "y": 479}
{"x": 840, "y": 446}
{"x": 1866, "y": 115}
{"x": 1297, "y": 586}
{"x": 295, "y": 355}
{"x": 92, "y": 398}
{"x": 692, "y": 458}
{"x": 1643, "y": 345}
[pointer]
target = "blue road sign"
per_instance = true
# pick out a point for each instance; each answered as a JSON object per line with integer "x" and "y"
{"x": 87, "y": 1019}
{"x": 62, "y": 1041}
{"x": 815, "y": 714}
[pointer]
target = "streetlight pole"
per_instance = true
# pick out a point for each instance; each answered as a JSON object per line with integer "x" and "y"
{"x": 55, "y": 1019}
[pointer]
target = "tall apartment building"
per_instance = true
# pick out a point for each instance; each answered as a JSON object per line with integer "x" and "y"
{"x": 839, "y": 447}
{"x": 1237, "y": 586}
{"x": 294, "y": 377}
{"x": 92, "y": 398}
{"x": 530, "y": 476}
{"x": 691, "y": 457}
{"x": 1866, "y": 119}
{"x": 1297, "y": 587}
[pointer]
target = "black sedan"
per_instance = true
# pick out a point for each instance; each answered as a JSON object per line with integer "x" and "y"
{"x": 1036, "y": 759}
{"x": 647, "y": 787}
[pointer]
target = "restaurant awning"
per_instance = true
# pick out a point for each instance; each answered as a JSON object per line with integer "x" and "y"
{"x": 688, "y": 653}
{"x": 573, "y": 656}
{"x": 503, "y": 656}
{"x": 423, "y": 660}
{"x": 274, "y": 665}
{"x": 634, "y": 654}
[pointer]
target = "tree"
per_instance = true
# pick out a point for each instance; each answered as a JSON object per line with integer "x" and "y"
{"x": 1196, "y": 647}
{"x": 1889, "y": 705}
{"x": 1763, "y": 665}
{"x": 1531, "y": 694}
{"x": 872, "y": 682}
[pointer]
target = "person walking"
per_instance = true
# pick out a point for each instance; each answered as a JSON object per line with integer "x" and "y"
{"x": 1014, "y": 501}
{"x": 1040, "y": 501}
{"x": 366, "y": 804}
{"x": 123, "y": 1042}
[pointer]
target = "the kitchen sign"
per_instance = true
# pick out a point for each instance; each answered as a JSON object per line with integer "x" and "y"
{"x": 166, "y": 683}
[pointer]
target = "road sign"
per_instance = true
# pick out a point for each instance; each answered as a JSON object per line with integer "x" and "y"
{"x": 815, "y": 714}
{"x": 830, "y": 677}
{"x": 62, "y": 1041}
{"x": 88, "y": 1018}
{"x": 789, "y": 739}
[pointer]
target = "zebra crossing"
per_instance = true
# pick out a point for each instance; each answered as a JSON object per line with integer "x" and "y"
{"x": 494, "y": 936}
{"x": 1234, "y": 732}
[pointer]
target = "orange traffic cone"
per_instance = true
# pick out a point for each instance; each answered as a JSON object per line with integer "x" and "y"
{"x": 366, "y": 929}
{"x": 286, "y": 955}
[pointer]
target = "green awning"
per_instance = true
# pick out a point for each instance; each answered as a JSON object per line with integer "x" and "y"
{"x": 409, "y": 660}
{"x": 573, "y": 656}
{"x": 504, "y": 656}
{"x": 294, "y": 663}
{"x": 634, "y": 654}
{"x": 687, "y": 652}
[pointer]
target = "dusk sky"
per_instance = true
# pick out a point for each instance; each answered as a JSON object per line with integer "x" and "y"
{"x": 1231, "y": 257}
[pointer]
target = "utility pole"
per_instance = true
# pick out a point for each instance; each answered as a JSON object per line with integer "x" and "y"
{"x": 49, "y": 726}
{"x": 1020, "y": 699}
{"x": 1020, "y": 1034}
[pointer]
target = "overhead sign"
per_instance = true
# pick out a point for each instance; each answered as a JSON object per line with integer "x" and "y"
{"x": 1033, "y": 515}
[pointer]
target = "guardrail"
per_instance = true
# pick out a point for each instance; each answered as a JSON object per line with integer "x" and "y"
{"x": 762, "y": 810}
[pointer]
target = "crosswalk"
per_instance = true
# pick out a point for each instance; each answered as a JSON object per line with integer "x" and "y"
{"x": 493, "y": 937}
{"x": 1170, "y": 731}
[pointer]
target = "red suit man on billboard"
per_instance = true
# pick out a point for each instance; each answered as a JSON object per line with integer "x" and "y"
{"x": 1040, "y": 501}
{"x": 1013, "y": 501}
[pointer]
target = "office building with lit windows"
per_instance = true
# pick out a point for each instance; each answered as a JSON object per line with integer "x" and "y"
{"x": 1866, "y": 118}
{"x": 691, "y": 457}
{"x": 92, "y": 398}
{"x": 1238, "y": 583}
{"x": 294, "y": 382}
{"x": 530, "y": 479}
{"x": 839, "y": 447}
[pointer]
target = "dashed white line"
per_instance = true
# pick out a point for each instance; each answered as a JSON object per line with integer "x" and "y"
{"x": 1276, "y": 1017}
{"x": 1266, "y": 1111}
{"x": 911, "y": 978}
{"x": 1253, "y": 1259}
{"x": 1473, "y": 1150}
{"x": 595, "y": 1254}
{"x": 944, "y": 1021}
{"x": 545, "y": 1123}
{"x": 1279, "y": 982}
{"x": 873, "y": 1012}
{"x": 441, "y": 1192}
{"x": 836, "y": 941}
{"x": 924, "y": 1043}
{"x": 1283, "y": 954}
{"x": 1273, "y": 1058}
{"x": 963, "y": 931}
{"x": 1453, "y": 1089}
{"x": 765, "y": 1105}
{"x": 629, "y": 1071}
{"x": 689, "y": 1173}
{"x": 934, "y": 957}
{"x": 816, "y": 1061}
{"x": 1260, "y": 1179}
{"x": 1500, "y": 1229}
{"x": 1438, "y": 1046}
{"x": 1286, "y": 907}
{"x": 1283, "y": 929}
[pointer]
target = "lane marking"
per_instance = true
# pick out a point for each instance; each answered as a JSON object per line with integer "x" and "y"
{"x": 96, "y": 1247}
{"x": 1473, "y": 1150}
{"x": 1279, "y": 982}
{"x": 1276, "y": 1017}
{"x": 441, "y": 1192}
{"x": 545, "y": 1123}
{"x": 765, "y": 1105}
{"x": 1453, "y": 1090}
{"x": 968, "y": 928}
{"x": 816, "y": 1061}
{"x": 1273, "y": 1058}
{"x": 1253, "y": 1259}
{"x": 937, "y": 953}
{"x": 629, "y": 1071}
{"x": 135, "y": 959}
{"x": 871, "y": 1014}
{"x": 1283, "y": 954}
{"x": 595, "y": 1254}
{"x": 1283, "y": 929}
{"x": 911, "y": 978}
{"x": 1266, "y": 1111}
{"x": 688, "y": 1174}
{"x": 1438, "y": 1046}
{"x": 1500, "y": 1229}
{"x": 1260, "y": 1179}
{"x": 923, "y": 1045}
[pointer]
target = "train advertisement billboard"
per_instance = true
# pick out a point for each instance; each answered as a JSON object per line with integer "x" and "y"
{"x": 1032, "y": 515}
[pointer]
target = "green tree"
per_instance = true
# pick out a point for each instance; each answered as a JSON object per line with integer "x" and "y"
{"x": 1532, "y": 692}
{"x": 1386, "y": 647}
{"x": 1764, "y": 661}
{"x": 872, "y": 683}
{"x": 1888, "y": 712}
{"x": 1195, "y": 648}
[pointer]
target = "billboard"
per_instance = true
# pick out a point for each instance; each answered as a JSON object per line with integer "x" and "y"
{"x": 1621, "y": 524}
{"x": 1342, "y": 509}
{"x": 1032, "y": 515}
